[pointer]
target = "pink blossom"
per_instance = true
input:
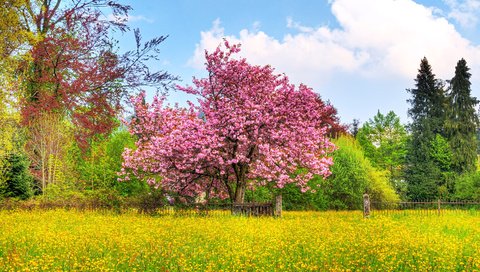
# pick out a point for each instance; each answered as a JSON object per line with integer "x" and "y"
{"x": 251, "y": 126}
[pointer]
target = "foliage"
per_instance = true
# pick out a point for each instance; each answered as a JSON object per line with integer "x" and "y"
{"x": 13, "y": 181}
{"x": 313, "y": 200}
{"x": 441, "y": 155}
{"x": 98, "y": 166}
{"x": 64, "y": 61}
{"x": 11, "y": 135}
{"x": 260, "y": 194}
{"x": 384, "y": 140}
{"x": 251, "y": 127}
{"x": 348, "y": 181}
{"x": 467, "y": 187}
{"x": 427, "y": 111}
{"x": 462, "y": 120}
{"x": 13, "y": 36}
{"x": 352, "y": 176}
{"x": 49, "y": 136}
{"x": 16, "y": 181}
{"x": 9, "y": 26}
{"x": 379, "y": 188}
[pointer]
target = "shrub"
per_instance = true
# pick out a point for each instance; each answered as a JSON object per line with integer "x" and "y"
{"x": 352, "y": 176}
{"x": 467, "y": 187}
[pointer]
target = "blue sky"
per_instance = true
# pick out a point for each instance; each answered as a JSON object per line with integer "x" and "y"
{"x": 360, "y": 55}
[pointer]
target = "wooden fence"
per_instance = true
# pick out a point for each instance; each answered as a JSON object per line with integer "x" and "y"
{"x": 226, "y": 209}
{"x": 273, "y": 208}
{"x": 435, "y": 207}
{"x": 259, "y": 209}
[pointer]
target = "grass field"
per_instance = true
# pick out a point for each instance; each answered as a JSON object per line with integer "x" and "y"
{"x": 300, "y": 241}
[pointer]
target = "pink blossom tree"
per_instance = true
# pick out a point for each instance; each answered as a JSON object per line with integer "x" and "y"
{"x": 251, "y": 128}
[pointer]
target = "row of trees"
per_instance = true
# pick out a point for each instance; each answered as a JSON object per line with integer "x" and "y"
{"x": 434, "y": 157}
{"x": 443, "y": 133}
{"x": 436, "y": 154}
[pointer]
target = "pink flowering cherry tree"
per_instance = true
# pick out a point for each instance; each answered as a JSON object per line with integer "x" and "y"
{"x": 251, "y": 127}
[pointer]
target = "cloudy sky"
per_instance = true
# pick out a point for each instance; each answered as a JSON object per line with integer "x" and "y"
{"x": 360, "y": 55}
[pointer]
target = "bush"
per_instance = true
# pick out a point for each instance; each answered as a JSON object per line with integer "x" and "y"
{"x": 352, "y": 176}
{"x": 379, "y": 186}
{"x": 98, "y": 166}
{"x": 294, "y": 199}
{"x": 150, "y": 202}
{"x": 467, "y": 187}
{"x": 259, "y": 195}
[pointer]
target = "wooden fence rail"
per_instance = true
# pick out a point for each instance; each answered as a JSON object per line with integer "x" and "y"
{"x": 273, "y": 208}
{"x": 434, "y": 207}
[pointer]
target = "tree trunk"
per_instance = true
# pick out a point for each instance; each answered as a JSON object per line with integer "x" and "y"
{"x": 240, "y": 192}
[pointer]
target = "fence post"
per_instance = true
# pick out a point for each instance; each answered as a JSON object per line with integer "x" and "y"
{"x": 278, "y": 206}
{"x": 366, "y": 205}
{"x": 439, "y": 207}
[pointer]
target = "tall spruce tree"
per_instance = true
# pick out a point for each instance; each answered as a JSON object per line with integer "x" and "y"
{"x": 422, "y": 173}
{"x": 462, "y": 121}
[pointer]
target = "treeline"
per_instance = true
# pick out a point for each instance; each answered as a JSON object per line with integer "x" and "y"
{"x": 433, "y": 157}
{"x": 436, "y": 155}
{"x": 64, "y": 88}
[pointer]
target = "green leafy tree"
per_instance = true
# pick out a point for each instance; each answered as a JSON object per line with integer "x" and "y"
{"x": 441, "y": 155}
{"x": 467, "y": 187}
{"x": 427, "y": 112}
{"x": 99, "y": 165}
{"x": 352, "y": 176}
{"x": 384, "y": 140}
{"x": 462, "y": 120}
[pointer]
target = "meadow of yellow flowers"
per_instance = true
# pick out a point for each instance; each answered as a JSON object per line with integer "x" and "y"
{"x": 60, "y": 240}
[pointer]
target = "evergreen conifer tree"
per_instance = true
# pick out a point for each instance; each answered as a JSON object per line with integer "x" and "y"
{"x": 462, "y": 121}
{"x": 427, "y": 111}
{"x": 18, "y": 182}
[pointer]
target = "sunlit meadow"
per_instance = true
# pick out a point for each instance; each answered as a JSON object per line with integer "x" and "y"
{"x": 319, "y": 241}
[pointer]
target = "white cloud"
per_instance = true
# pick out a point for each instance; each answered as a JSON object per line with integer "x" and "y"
{"x": 298, "y": 26}
{"x": 303, "y": 55}
{"x": 375, "y": 38}
{"x": 366, "y": 62}
{"x": 465, "y": 12}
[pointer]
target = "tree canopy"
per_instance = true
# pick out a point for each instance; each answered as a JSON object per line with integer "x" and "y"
{"x": 251, "y": 128}
{"x": 66, "y": 61}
